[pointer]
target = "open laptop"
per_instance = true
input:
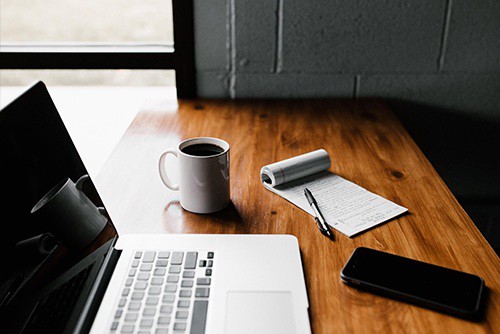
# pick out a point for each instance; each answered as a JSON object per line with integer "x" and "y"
{"x": 131, "y": 283}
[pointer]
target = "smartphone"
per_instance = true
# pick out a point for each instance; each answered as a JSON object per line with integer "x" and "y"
{"x": 420, "y": 283}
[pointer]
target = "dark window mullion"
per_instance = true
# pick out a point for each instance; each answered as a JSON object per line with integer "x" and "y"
{"x": 185, "y": 74}
{"x": 86, "y": 57}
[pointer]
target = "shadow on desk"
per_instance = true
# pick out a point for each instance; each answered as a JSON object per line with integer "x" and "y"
{"x": 227, "y": 215}
{"x": 463, "y": 148}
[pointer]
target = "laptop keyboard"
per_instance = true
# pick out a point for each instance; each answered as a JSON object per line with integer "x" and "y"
{"x": 165, "y": 292}
{"x": 53, "y": 311}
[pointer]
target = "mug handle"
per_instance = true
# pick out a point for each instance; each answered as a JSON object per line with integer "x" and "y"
{"x": 161, "y": 168}
{"x": 81, "y": 180}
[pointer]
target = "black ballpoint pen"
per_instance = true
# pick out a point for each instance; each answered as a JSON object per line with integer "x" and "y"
{"x": 322, "y": 225}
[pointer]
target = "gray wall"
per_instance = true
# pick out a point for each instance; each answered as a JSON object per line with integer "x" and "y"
{"x": 443, "y": 53}
{"x": 437, "y": 62}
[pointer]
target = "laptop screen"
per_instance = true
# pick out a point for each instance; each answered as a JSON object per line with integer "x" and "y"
{"x": 37, "y": 156}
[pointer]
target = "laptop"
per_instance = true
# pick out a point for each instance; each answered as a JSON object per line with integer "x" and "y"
{"x": 158, "y": 283}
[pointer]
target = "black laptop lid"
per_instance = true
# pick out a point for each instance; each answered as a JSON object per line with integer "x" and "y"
{"x": 36, "y": 154}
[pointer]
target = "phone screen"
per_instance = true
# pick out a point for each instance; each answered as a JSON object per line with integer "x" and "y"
{"x": 421, "y": 282}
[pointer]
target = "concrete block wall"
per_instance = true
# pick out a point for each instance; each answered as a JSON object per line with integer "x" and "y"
{"x": 443, "y": 53}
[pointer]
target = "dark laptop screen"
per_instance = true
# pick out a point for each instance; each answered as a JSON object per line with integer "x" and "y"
{"x": 36, "y": 154}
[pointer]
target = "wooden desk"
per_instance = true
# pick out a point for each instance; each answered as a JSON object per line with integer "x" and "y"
{"x": 368, "y": 146}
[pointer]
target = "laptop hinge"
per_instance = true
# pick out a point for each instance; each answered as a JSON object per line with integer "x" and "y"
{"x": 96, "y": 294}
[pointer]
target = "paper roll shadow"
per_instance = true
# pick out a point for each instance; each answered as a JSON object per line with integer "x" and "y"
{"x": 70, "y": 215}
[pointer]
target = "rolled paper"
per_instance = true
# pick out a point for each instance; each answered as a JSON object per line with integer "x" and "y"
{"x": 295, "y": 168}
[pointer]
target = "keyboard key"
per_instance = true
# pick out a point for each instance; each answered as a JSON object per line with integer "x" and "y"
{"x": 166, "y": 309}
{"x": 141, "y": 285}
{"x": 172, "y": 278}
{"x": 168, "y": 298}
{"x": 179, "y": 326}
{"x": 146, "y": 278}
{"x": 163, "y": 320}
{"x": 161, "y": 331}
{"x": 187, "y": 283}
{"x": 188, "y": 274}
{"x": 131, "y": 316}
{"x": 161, "y": 263}
{"x": 183, "y": 303}
{"x": 170, "y": 288}
{"x": 174, "y": 269}
{"x": 185, "y": 293}
{"x": 203, "y": 281}
{"x": 137, "y": 295}
{"x": 163, "y": 255}
{"x": 149, "y": 311}
{"x": 154, "y": 290}
{"x": 202, "y": 292}
{"x": 191, "y": 258}
{"x": 199, "y": 318}
{"x": 134, "y": 306}
{"x": 181, "y": 315}
{"x": 143, "y": 276}
{"x": 159, "y": 272}
{"x": 129, "y": 281}
{"x": 149, "y": 257}
{"x": 152, "y": 301}
{"x": 146, "y": 267}
{"x": 114, "y": 325}
{"x": 177, "y": 258}
{"x": 157, "y": 281}
{"x": 146, "y": 323}
{"x": 127, "y": 328}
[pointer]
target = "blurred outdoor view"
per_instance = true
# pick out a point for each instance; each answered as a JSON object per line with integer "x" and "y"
{"x": 107, "y": 22}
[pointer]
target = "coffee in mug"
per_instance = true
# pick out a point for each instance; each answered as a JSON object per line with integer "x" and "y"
{"x": 203, "y": 165}
{"x": 202, "y": 150}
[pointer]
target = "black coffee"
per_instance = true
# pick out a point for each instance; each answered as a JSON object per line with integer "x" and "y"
{"x": 202, "y": 150}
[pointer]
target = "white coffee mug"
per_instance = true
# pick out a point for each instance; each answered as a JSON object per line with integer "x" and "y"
{"x": 203, "y": 165}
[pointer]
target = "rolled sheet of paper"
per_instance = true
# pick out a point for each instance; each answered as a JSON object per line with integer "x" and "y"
{"x": 295, "y": 168}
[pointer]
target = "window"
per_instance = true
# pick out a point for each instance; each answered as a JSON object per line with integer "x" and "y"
{"x": 99, "y": 34}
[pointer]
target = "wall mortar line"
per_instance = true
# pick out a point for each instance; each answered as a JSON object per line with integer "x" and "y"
{"x": 355, "y": 92}
{"x": 444, "y": 35}
{"x": 278, "y": 52}
{"x": 232, "y": 48}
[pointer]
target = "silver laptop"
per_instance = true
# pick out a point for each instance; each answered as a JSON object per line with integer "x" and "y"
{"x": 132, "y": 283}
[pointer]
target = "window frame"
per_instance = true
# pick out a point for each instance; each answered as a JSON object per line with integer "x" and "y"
{"x": 98, "y": 56}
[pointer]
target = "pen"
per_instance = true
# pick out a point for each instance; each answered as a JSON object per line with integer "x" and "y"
{"x": 322, "y": 225}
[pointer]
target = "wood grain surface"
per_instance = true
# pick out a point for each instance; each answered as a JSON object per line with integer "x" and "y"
{"x": 367, "y": 145}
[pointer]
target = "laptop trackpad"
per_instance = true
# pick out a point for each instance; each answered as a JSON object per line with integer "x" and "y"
{"x": 260, "y": 312}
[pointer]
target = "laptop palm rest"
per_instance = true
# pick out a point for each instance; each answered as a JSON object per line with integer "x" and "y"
{"x": 260, "y": 312}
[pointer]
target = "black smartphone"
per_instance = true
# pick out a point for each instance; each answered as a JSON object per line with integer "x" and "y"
{"x": 421, "y": 283}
